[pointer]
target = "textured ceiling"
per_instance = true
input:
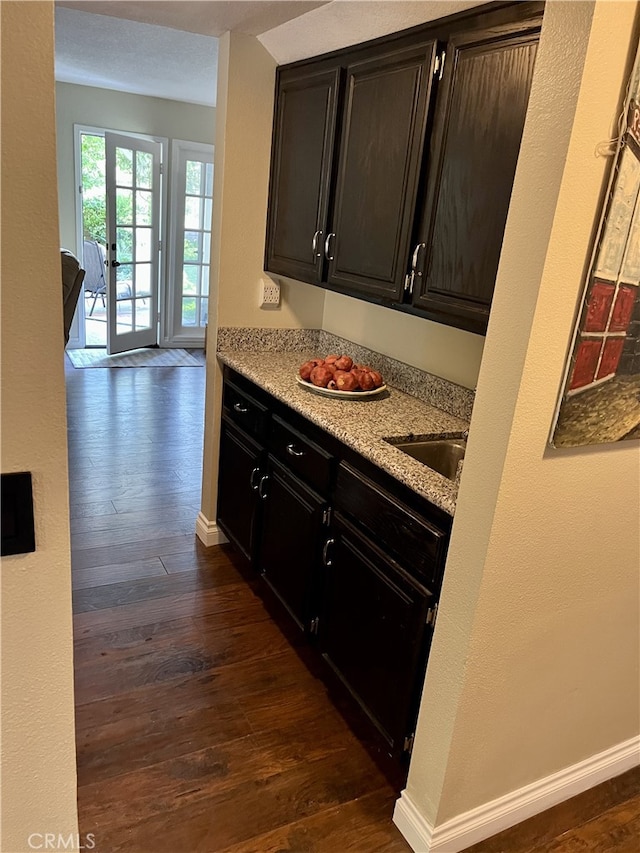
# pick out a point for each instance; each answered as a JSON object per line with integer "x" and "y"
{"x": 346, "y": 22}
{"x": 165, "y": 49}
{"x": 206, "y": 17}
{"x": 168, "y": 48}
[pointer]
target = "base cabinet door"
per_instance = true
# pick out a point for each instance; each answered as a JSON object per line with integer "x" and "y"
{"x": 239, "y": 484}
{"x": 291, "y": 541}
{"x": 373, "y": 631}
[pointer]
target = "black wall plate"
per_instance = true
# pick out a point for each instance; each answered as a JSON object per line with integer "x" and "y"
{"x": 18, "y": 533}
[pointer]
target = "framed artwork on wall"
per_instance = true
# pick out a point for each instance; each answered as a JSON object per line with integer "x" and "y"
{"x": 600, "y": 401}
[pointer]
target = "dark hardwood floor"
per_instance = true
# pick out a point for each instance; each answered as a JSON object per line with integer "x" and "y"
{"x": 201, "y": 722}
{"x": 199, "y": 726}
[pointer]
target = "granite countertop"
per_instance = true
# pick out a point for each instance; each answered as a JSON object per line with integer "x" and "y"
{"x": 361, "y": 424}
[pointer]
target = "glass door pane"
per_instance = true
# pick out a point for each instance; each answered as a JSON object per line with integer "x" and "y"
{"x": 133, "y": 208}
{"x": 193, "y": 191}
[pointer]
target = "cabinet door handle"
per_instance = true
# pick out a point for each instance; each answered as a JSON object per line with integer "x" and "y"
{"x": 327, "y": 244}
{"x": 325, "y": 552}
{"x": 238, "y": 407}
{"x": 415, "y": 257}
{"x": 261, "y": 487}
{"x": 415, "y": 272}
{"x": 409, "y": 280}
{"x": 252, "y": 479}
{"x": 314, "y": 245}
{"x": 291, "y": 450}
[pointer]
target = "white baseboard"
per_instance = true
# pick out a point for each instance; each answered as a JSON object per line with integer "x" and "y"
{"x": 208, "y": 532}
{"x": 484, "y": 821}
{"x": 192, "y": 342}
{"x": 416, "y": 829}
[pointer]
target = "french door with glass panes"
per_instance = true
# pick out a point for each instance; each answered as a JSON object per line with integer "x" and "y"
{"x": 192, "y": 193}
{"x": 133, "y": 233}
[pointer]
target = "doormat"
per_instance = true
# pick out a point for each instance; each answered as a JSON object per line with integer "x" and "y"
{"x": 133, "y": 358}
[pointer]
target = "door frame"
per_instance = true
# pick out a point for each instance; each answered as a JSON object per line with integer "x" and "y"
{"x": 168, "y": 318}
{"x": 77, "y": 335}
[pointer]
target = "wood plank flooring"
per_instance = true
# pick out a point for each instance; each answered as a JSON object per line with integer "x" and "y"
{"x": 201, "y": 722}
{"x": 199, "y": 726}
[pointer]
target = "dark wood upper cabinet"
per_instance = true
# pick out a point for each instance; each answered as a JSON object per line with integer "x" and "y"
{"x": 393, "y": 163}
{"x": 480, "y": 116}
{"x": 301, "y": 167}
{"x": 383, "y": 131}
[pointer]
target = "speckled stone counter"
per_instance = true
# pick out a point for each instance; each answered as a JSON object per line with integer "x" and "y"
{"x": 427, "y": 387}
{"x": 362, "y": 424}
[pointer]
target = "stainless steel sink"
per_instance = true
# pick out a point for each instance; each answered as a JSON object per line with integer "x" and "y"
{"x": 441, "y": 454}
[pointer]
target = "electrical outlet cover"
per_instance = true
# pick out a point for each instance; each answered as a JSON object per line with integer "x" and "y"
{"x": 269, "y": 293}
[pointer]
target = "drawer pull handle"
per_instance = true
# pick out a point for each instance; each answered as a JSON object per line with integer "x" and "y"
{"x": 261, "y": 487}
{"x": 252, "y": 479}
{"x": 238, "y": 407}
{"x": 327, "y": 561}
{"x": 291, "y": 450}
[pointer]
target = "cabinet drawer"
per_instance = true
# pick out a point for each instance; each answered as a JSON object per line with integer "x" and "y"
{"x": 419, "y": 546}
{"x": 245, "y": 411}
{"x": 301, "y": 455}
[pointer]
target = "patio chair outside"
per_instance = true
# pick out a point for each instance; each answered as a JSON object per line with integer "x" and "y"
{"x": 95, "y": 284}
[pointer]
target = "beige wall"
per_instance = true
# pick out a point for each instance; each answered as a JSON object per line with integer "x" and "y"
{"x": 86, "y": 105}
{"x": 535, "y": 661}
{"x": 38, "y": 750}
{"x": 451, "y": 353}
{"x": 246, "y": 80}
{"x": 243, "y": 150}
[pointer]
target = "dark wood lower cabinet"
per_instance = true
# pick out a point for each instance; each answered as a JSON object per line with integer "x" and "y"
{"x": 291, "y": 540}
{"x": 373, "y": 631}
{"x": 355, "y": 557}
{"x": 238, "y": 484}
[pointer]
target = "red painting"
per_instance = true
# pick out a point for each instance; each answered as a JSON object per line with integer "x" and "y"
{"x": 599, "y": 306}
{"x": 623, "y": 309}
{"x": 610, "y": 357}
{"x": 584, "y": 369}
{"x": 600, "y": 399}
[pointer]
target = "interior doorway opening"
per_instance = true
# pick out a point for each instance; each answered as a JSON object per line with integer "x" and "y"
{"x": 145, "y": 244}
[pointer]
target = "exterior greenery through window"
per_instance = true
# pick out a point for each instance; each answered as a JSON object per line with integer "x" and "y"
{"x": 196, "y": 243}
{"x": 94, "y": 198}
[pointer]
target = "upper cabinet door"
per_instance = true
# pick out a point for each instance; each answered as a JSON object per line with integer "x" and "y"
{"x": 301, "y": 161}
{"x": 383, "y": 133}
{"x": 479, "y": 120}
